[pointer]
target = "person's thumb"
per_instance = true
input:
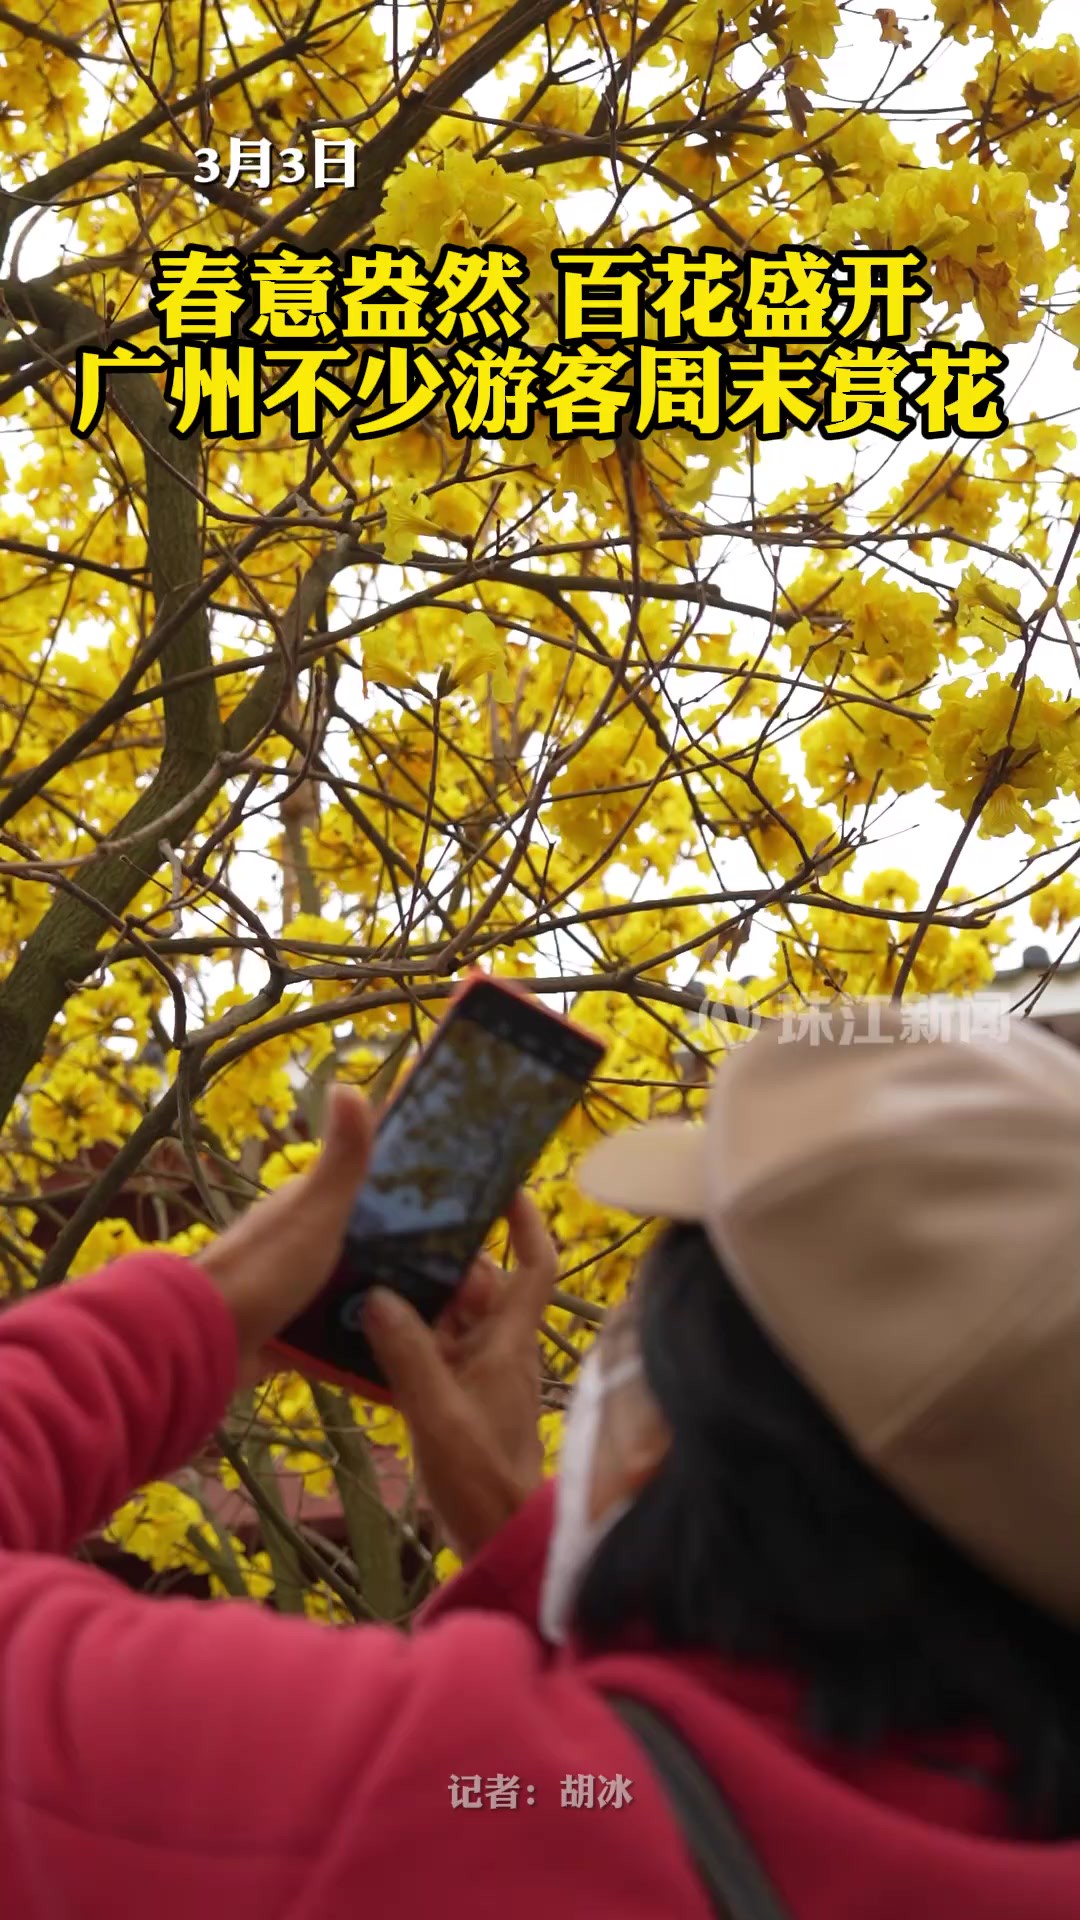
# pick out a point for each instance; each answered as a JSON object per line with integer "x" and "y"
{"x": 408, "y": 1353}
{"x": 333, "y": 1181}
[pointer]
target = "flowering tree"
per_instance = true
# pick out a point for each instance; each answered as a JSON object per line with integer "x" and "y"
{"x": 314, "y": 694}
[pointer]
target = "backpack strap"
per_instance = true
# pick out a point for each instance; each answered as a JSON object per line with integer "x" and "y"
{"x": 735, "y": 1882}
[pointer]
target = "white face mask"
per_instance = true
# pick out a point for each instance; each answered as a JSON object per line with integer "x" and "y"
{"x": 574, "y": 1537}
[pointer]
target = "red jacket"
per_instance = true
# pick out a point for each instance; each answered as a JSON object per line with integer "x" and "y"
{"x": 164, "y": 1759}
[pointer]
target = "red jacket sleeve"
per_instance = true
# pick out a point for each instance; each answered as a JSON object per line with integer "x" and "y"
{"x": 110, "y": 1382}
{"x": 190, "y": 1755}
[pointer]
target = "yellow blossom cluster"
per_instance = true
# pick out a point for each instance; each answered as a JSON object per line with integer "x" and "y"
{"x": 977, "y": 229}
{"x": 1010, "y": 750}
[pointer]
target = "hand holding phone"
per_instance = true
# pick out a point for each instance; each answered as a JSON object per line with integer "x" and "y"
{"x": 470, "y": 1388}
{"x": 491, "y": 1087}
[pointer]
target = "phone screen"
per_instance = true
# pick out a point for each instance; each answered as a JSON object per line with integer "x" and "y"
{"x": 455, "y": 1145}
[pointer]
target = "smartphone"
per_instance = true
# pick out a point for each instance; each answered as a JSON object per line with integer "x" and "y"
{"x": 492, "y": 1085}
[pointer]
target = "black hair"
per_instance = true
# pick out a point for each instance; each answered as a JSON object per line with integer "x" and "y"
{"x": 764, "y": 1537}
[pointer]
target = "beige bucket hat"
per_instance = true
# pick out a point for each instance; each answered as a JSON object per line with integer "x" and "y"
{"x": 901, "y": 1213}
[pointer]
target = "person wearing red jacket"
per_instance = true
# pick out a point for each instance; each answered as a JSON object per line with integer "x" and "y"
{"x": 819, "y": 1505}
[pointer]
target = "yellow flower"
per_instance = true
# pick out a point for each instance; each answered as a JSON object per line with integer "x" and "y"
{"x": 408, "y": 517}
{"x": 853, "y": 752}
{"x": 1027, "y": 737}
{"x": 1055, "y": 905}
{"x": 551, "y": 1432}
{"x": 107, "y": 1240}
{"x": 254, "y": 1093}
{"x": 383, "y": 664}
{"x": 977, "y": 228}
{"x": 467, "y": 202}
{"x": 1044, "y": 831}
{"x": 256, "y": 1572}
{"x": 987, "y": 612}
{"x": 1039, "y": 154}
{"x": 154, "y": 1525}
{"x": 324, "y": 1606}
{"x": 288, "y": 1162}
{"x": 811, "y": 26}
{"x": 485, "y": 653}
{"x": 1003, "y": 19}
{"x": 882, "y": 889}
{"x": 189, "y": 1243}
{"x": 1003, "y": 812}
{"x": 75, "y": 1107}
